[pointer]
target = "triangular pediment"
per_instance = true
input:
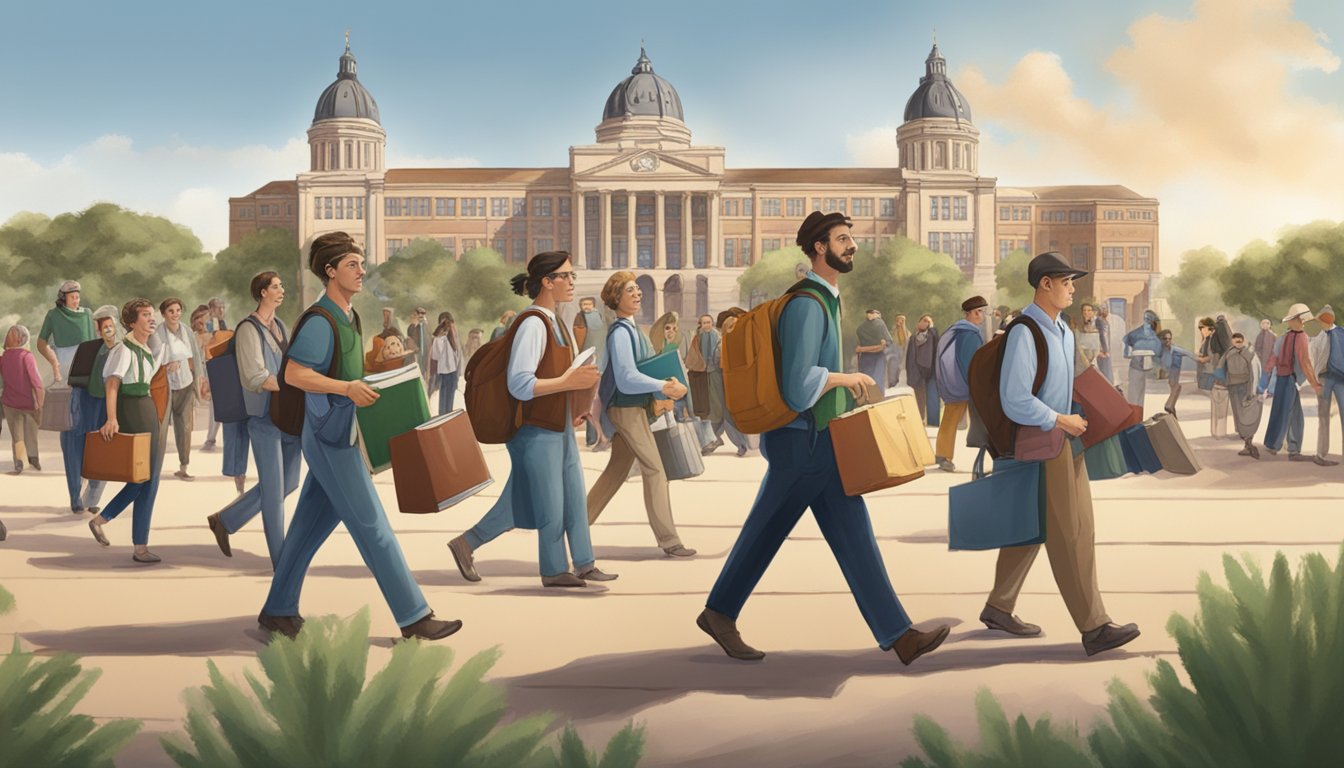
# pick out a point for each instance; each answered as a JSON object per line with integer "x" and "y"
{"x": 648, "y": 163}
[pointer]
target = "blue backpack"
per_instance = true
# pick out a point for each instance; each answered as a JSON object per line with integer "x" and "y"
{"x": 952, "y": 387}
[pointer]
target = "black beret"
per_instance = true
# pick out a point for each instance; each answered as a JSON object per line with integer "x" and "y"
{"x": 815, "y": 227}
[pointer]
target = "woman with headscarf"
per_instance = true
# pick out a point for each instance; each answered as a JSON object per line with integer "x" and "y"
{"x": 920, "y": 354}
{"x": 445, "y": 361}
{"x": 66, "y": 326}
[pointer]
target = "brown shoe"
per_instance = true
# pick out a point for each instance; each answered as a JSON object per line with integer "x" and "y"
{"x": 1006, "y": 622}
{"x": 221, "y": 534}
{"x": 593, "y": 573}
{"x": 96, "y": 525}
{"x": 1108, "y": 636}
{"x": 288, "y": 626}
{"x": 724, "y": 631}
{"x": 565, "y": 579}
{"x": 678, "y": 551}
{"x": 914, "y": 643}
{"x": 461, "y": 550}
{"x": 430, "y": 628}
{"x": 182, "y": 473}
{"x": 146, "y": 557}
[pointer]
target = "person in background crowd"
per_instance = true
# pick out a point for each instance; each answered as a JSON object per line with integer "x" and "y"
{"x": 1328, "y": 359}
{"x": 874, "y": 341}
{"x": 1102, "y": 323}
{"x": 590, "y": 332}
{"x": 65, "y": 327}
{"x": 1142, "y": 340}
{"x": 1172, "y": 358}
{"x": 1209, "y": 363}
{"x": 418, "y": 339}
{"x": 960, "y": 342}
{"x": 919, "y": 365}
{"x": 896, "y": 351}
{"x": 1089, "y": 338}
{"x": 93, "y": 398}
{"x": 446, "y": 361}
{"x": 23, "y": 397}
{"x": 390, "y": 320}
{"x": 204, "y": 339}
{"x": 505, "y": 320}
{"x": 725, "y": 322}
{"x": 474, "y": 337}
{"x": 1241, "y": 372}
{"x": 186, "y": 377}
{"x": 1291, "y": 361}
{"x": 214, "y": 320}
{"x": 1264, "y": 348}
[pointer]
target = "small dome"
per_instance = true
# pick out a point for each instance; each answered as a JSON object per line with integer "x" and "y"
{"x": 346, "y": 97}
{"x": 643, "y": 93}
{"x": 936, "y": 96}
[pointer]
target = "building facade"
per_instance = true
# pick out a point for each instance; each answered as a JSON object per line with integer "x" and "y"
{"x": 646, "y": 198}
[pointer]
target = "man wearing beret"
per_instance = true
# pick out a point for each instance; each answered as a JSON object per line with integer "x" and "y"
{"x": 1069, "y": 528}
{"x": 802, "y": 470}
{"x": 953, "y": 365}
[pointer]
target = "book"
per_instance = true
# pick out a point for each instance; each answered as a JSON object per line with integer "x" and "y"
{"x": 664, "y": 365}
{"x": 438, "y": 464}
{"x": 584, "y": 357}
{"x": 401, "y": 407}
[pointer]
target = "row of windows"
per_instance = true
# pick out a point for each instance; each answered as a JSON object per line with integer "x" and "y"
{"x": 338, "y": 208}
{"x": 952, "y": 208}
{"x": 512, "y": 249}
{"x": 795, "y": 207}
{"x": 1014, "y": 213}
{"x": 1008, "y": 246}
{"x": 1018, "y": 213}
{"x": 500, "y": 207}
{"x": 1140, "y": 258}
{"x": 959, "y": 245}
{"x": 927, "y": 155}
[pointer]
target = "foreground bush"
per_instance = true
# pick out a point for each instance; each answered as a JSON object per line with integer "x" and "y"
{"x": 318, "y": 707}
{"x": 1002, "y": 744}
{"x": 6, "y": 601}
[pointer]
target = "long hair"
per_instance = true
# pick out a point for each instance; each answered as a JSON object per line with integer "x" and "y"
{"x": 541, "y": 266}
{"x": 446, "y": 326}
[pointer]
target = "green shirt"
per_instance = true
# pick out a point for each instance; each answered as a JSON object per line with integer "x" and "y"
{"x": 64, "y": 327}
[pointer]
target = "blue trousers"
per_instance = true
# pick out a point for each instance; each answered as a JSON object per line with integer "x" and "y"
{"x": 1264, "y": 383}
{"x": 875, "y": 365}
{"x": 557, "y": 505}
{"x": 1285, "y": 416}
{"x": 447, "y": 391}
{"x": 1104, "y": 367}
{"x": 235, "y": 448}
{"x": 137, "y": 414}
{"x": 278, "y": 467}
{"x": 338, "y": 489}
{"x": 802, "y": 473}
{"x": 87, "y": 414}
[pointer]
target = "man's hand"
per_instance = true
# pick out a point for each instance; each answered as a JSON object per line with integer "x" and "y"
{"x": 583, "y": 377}
{"x": 674, "y": 389}
{"x": 1103, "y": 354}
{"x": 361, "y": 393}
{"x": 55, "y": 375}
{"x": 1072, "y": 424}
{"x": 109, "y": 429}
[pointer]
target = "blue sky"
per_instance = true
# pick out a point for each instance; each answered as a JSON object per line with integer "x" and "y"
{"x": 155, "y": 89}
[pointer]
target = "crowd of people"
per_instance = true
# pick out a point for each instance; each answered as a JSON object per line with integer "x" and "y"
{"x": 141, "y": 369}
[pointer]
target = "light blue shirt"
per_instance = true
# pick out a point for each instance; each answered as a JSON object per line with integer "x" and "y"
{"x": 529, "y": 344}
{"x": 809, "y": 345}
{"x": 1019, "y": 373}
{"x": 621, "y": 356}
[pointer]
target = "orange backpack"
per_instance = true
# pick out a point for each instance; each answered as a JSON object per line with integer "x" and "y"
{"x": 751, "y": 367}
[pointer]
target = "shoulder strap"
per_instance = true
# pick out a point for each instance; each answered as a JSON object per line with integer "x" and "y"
{"x": 1042, "y": 352}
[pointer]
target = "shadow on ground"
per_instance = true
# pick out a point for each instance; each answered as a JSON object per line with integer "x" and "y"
{"x": 77, "y": 554}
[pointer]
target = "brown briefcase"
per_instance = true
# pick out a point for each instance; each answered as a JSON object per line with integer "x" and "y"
{"x": 1106, "y": 410}
{"x": 881, "y": 446}
{"x": 1169, "y": 443}
{"x": 437, "y": 464}
{"x": 124, "y": 460}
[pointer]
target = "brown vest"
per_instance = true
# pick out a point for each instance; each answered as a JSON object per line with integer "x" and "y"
{"x": 550, "y": 411}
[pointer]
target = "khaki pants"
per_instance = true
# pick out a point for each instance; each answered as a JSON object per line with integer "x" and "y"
{"x": 947, "y": 429}
{"x": 1218, "y": 408}
{"x": 182, "y": 414}
{"x": 634, "y": 442}
{"x": 1174, "y": 384}
{"x": 22, "y": 433}
{"x": 1070, "y": 543}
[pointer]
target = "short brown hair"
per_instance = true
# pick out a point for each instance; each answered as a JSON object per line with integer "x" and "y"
{"x": 168, "y": 302}
{"x": 130, "y": 311}
{"x": 1207, "y": 322}
{"x": 611, "y": 292}
{"x": 260, "y": 283}
{"x": 328, "y": 249}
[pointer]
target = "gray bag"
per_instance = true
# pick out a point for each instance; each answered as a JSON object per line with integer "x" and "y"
{"x": 1169, "y": 443}
{"x": 56, "y": 410}
{"x": 679, "y": 448}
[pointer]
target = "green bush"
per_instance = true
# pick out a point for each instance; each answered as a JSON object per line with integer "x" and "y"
{"x": 623, "y": 751}
{"x": 36, "y": 719}
{"x": 6, "y": 601}
{"x": 1002, "y": 744}
{"x": 318, "y": 707}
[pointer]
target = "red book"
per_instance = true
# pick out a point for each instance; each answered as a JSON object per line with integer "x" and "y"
{"x": 437, "y": 464}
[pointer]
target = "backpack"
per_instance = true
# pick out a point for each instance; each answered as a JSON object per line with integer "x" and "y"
{"x": 287, "y": 406}
{"x": 496, "y": 414}
{"x": 695, "y": 359}
{"x": 1221, "y": 340}
{"x": 751, "y": 366}
{"x": 985, "y": 371}
{"x": 946, "y": 372}
{"x": 226, "y": 388}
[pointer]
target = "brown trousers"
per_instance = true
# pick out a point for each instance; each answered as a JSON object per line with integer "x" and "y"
{"x": 1070, "y": 543}
{"x": 23, "y": 433}
{"x": 953, "y": 413}
{"x": 633, "y": 442}
{"x": 182, "y": 414}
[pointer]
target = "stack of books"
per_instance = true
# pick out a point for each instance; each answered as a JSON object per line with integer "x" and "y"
{"x": 400, "y": 408}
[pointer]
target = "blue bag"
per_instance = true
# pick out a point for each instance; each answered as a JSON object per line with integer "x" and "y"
{"x": 1005, "y": 508}
{"x": 1106, "y": 460}
{"x": 1138, "y": 449}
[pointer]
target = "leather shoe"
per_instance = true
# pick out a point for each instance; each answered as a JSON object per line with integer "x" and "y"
{"x": 1108, "y": 636}
{"x": 288, "y": 626}
{"x": 466, "y": 565}
{"x": 565, "y": 579}
{"x": 146, "y": 557}
{"x": 914, "y": 643}
{"x": 221, "y": 534}
{"x": 1004, "y": 621}
{"x": 96, "y": 525}
{"x": 1324, "y": 462}
{"x": 678, "y": 551}
{"x": 946, "y": 465}
{"x": 724, "y": 631}
{"x": 1298, "y": 457}
{"x": 430, "y": 628}
{"x": 593, "y": 573}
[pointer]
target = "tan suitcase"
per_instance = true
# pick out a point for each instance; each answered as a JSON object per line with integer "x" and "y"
{"x": 437, "y": 464}
{"x": 124, "y": 460}
{"x": 1169, "y": 443}
{"x": 881, "y": 446}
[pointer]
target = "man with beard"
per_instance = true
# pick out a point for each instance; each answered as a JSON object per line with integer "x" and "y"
{"x": 919, "y": 361}
{"x": 802, "y": 469}
{"x": 873, "y": 342}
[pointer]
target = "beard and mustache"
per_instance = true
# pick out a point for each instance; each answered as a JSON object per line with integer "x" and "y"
{"x": 834, "y": 261}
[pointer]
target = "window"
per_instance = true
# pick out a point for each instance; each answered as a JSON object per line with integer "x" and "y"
{"x": 335, "y": 157}
{"x": 1113, "y": 215}
{"x": 445, "y": 206}
{"x": 590, "y": 204}
{"x": 499, "y": 207}
{"x": 947, "y": 208}
{"x": 1024, "y": 246}
{"x": 1004, "y": 212}
{"x": 1112, "y": 258}
{"x": 956, "y": 156}
{"x": 619, "y": 207}
{"x": 866, "y": 242}
{"x": 1081, "y": 217}
{"x": 816, "y": 203}
{"x": 349, "y": 155}
{"x": 673, "y": 254}
{"x": 1005, "y": 247}
{"x": 473, "y": 206}
{"x": 543, "y": 244}
{"x": 959, "y": 245}
{"x": 419, "y": 206}
{"x": 698, "y": 257}
{"x": 289, "y": 208}
{"x": 564, "y": 208}
{"x": 340, "y": 207}
{"x": 936, "y": 242}
{"x": 730, "y": 207}
{"x": 1079, "y": 256}
{"x": 747, "y": 207}
{"x": 672, "y": 209}
{"x": 862, "y": 206}
{"x": 449, "y": 244}
{"x": 699, "y": 206}
{"x": 317, "y": 209}
{"x": 1139, "y": 258}
{"x": 643, "y": 210}
{"x": 326, "y": 208}
{"x": 730, "y": 253}
{"x": 744, "y": 254}
{"x": 939, "y": 155}
{"x": 933, "y": 208}
{"x": 502, "y": 246}
{"x": 959, "y": 208}
{"x": 770, "y": 244}
{"x": 394, "y": 246}
{"x": 887, "y": 208}
{"x": 619, "y": 253}
{"x": 770, "y": 206}
{"x": 541, "y": 206}
{"x": 796, "y": 206}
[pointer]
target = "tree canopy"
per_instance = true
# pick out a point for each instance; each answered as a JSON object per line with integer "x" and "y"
{"x": 1305, "y": 265}
{"x": 231, "y": 273}
{"x": 1195, "y": 291}
{"x": 1010, "y": 280}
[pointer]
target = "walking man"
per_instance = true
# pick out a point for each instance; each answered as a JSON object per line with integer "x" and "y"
{"x": 955, "y": 350}
{"x": 1327, "y": 357}
{"x": 1291, "y": 362}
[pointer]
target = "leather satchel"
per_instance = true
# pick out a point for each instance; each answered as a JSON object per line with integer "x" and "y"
{"x": 1005, "y": 508}
{"x": 124, "y": 460}
{"x": 1036, "y": 444}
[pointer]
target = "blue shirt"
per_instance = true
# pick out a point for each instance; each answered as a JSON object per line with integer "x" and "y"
{"x": 1019, "y": 372}
{"x": 1336, "y": 358}
{"x": 313, "y": 345}
{"x": 811, "y": 352}
{"x": 622, "y": 358}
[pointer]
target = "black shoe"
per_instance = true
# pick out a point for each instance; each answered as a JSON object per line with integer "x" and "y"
{"x": 1321, "y": 461}
{"x": 1108, "y": 636}
{"x": 288, "y": 626}
{"x": 430, "y": 628}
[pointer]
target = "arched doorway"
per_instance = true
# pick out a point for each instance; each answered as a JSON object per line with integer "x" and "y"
{"x": 672, "y": 296}
{"x": 702, "y": 295}
{"x": 647, "y": 306}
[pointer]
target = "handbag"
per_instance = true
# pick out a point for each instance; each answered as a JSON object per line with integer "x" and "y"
{"x": 1036, "y": 444}
{"x": 1005, "y": 508}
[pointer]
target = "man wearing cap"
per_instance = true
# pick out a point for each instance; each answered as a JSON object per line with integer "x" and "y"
{"x": 955, "y": 350}
{"x": 802, "y": 469}
{"x": 874, "y": 339}
{"x": 1291, "y": 363}
{"x": 1327, "y": 357}
{"x": 1069, "y": 528}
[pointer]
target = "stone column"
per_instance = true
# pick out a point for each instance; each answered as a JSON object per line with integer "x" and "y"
{"x": 686, "y": 249}
{"x": 604, "y": 215}
{"x": 660, "y": 233}
{"x": 577, "y": 235}
{"x": 631, "y": 251}
{"x": 713, "y": 244}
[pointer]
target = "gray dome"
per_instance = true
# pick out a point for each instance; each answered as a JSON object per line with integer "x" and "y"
{"x": 936, "y": 96}
{"x": 346, "y": 97}
{"x": 643, "y": 93}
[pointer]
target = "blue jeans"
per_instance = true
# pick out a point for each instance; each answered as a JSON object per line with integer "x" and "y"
{"x": 1332, "y": 386}
{"x": 802, "y": 473}
{"x": 447, "y": 391}
{"x": 557, "y": 504}
{"x": 137, "y": 414}
{"x": 87, "y": 414}
{"x": 338, "y": 489}
{"x": 235, "y": 448}
{"x": 278, "y": 468}
{"x": 1285, "y": 416}
{"x": 1263, "y": 386}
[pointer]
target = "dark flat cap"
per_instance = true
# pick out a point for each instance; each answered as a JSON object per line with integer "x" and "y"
{"x": 975, "y": 302}
{"x": 1050, "y": 264}
{"x": 816, "y": 225}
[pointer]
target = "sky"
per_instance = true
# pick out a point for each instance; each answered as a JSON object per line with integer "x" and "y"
{"x": 1230, "y": 112}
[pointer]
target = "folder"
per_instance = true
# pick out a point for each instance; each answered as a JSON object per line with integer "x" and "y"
{"x": 664, "y": 365}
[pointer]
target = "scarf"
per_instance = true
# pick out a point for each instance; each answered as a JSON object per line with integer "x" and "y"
{"x": 67, "y": 327}
{"x": 871, "y": 332}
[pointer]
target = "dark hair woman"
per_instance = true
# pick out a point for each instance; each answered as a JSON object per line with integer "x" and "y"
{"x": 445, "y": 361}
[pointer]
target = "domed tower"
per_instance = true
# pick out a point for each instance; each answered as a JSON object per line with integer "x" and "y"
{"x": 643, "y": 110}
{"x": 937, "y": 135}
{"x": 346, "y": 134}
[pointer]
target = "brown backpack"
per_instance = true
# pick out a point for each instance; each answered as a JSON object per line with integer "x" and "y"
{"x": 984, "y": 374}
{"x": 287, "y": 406}
{"x": 751, "y": 366}
{"x": 495, "y": 413}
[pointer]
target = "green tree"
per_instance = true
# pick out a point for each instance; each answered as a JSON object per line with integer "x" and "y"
{"x": 265, "y": 250}
{"x": 903, "y": 277}
{"x": 480, "y": 292}
{"x": 771, "y": 275}
{"x": 1306, "y": 264}
{"x": 1195, "y": 290}
{"x": 1010, "y": 280}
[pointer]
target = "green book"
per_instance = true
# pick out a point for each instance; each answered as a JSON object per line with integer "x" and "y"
{"x": 400, "y": 407}
{"x": 664, "y": 365}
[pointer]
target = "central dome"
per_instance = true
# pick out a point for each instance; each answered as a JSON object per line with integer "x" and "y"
{"x": 346, "y": 97}
{"x": 936, "y": 96}
{"x": 643, "y": 93}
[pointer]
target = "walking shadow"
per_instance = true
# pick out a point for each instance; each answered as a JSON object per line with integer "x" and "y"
{"x": 77, "y": 554}
{"x": 649, "y": 553}
{"x": 216, "y": 637}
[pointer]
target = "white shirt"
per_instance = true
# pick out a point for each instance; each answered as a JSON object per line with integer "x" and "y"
{"x": 1319, "y": 350}
{"x": 177, "y": 347}
{"x": 123, "y": 364}
{"x": 442, "y": 352}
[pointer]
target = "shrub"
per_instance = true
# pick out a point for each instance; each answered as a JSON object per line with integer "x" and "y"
{"x": 1001, "y": 743}
{"x": 6, "y": 601}
{"x": 36, "y": 719}
{"x": 623, "y": 751}
{"x": 317, "y": 707}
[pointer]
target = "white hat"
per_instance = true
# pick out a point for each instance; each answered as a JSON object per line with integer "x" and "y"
{"x": 1298, "y": 311}
{"x": 1326, "y": 310}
